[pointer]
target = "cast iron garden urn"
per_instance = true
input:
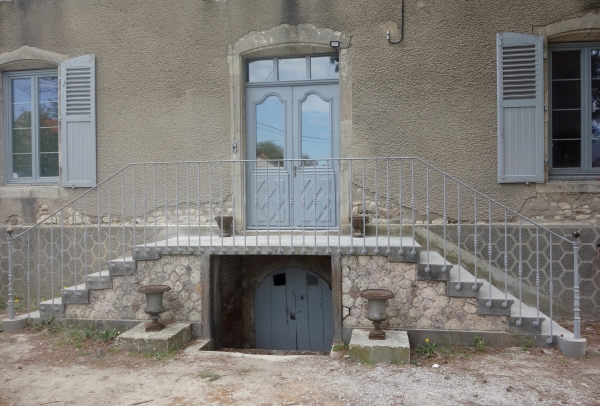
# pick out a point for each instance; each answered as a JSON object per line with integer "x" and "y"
{"x": 154, "y": 304}
{"x": 224, "y": 223}
{"x": 358, "y": 224}
{"x": 377, "y": 301}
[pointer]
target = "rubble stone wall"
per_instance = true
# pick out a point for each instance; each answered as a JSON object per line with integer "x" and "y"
{"x": 418, "y": 304}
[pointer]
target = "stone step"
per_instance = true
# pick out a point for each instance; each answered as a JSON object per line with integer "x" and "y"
{"x": 432, "y": 267}
{"x": 466, "y": 283}
{"x": 527, "y": 324}
{"x": 52, "y": 308}
{"x": 98, "y": 280}
{"x": 141, "y": 253}
{"x": 75, "y": 294}
{"x": 122, "y": 266}
{"x": 498, "y": 307}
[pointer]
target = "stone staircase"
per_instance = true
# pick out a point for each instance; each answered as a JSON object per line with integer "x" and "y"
{"x": 430, "y": 267}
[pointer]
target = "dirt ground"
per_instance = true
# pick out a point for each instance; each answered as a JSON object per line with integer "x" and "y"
{"x": 42, "y": 367}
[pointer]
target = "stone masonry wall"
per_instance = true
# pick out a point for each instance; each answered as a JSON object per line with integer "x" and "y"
{"x": 180, "y": 272}
{"x": 418, "y": 304}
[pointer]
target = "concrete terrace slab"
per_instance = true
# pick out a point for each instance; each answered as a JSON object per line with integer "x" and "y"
{"x": 284, "y": 243}
{"x": 174, "y": 335}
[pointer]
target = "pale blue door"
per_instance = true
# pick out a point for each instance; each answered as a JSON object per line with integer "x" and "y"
{"x": 298, "y": 123}
{"x": 292, "y": 311}
{"x": 292, "y": 113}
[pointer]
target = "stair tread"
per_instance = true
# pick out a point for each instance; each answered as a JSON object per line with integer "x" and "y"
{"x": 81, "y": 286}
{"x": 434, "y": 259}
{"x": 121, "y": 259}
{"x": 55, "y": 301}
{"x": 102, "y": 274}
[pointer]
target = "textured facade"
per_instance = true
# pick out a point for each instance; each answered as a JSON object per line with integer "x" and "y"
{"x": 164, "y": 85}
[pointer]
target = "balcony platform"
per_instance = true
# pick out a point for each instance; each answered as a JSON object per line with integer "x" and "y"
{"x": 283, "y": 244}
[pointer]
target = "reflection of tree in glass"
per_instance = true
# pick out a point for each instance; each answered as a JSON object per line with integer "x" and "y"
{"x": 306, "y": 161}
{"x": 269, "y": 150}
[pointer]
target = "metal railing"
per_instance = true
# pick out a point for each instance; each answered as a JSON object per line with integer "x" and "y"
{"x": 294, "y": 207}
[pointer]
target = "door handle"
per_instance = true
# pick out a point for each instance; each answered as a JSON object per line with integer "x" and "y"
{"x": 292, "y": 316}
{"x": 295, "y": 167}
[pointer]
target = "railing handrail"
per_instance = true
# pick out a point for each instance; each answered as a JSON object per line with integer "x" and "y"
{"x": 212, "y": 161}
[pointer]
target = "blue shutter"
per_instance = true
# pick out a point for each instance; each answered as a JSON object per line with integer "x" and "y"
{"x": 520, "y": 59}
{"x": 78, "y": 122}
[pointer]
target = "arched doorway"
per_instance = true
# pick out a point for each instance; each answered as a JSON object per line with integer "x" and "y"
{"x": 292, "y": 311}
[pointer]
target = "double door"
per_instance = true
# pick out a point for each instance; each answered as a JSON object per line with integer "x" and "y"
{"x": 292, "y": 132}
{"x": 293, "y": 311}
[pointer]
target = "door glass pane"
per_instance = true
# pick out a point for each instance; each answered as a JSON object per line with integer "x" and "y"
{"x": 566, "y": 154}
{"x": 260, "y": 71}
{"x": 270, "y": 134}
{"x": 292, "y": 69}
{"x": 316, "y": 131}
{"x": 324, "y": 67}
{"x": 566, "y": 65}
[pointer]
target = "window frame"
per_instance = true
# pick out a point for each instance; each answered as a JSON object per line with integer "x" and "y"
{"x": 586, "y": 171}
{"x": 8, "y": 139}
{"x": 277, "y": 82}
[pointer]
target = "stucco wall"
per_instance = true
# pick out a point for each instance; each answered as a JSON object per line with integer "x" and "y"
{"x": 163, "y": 85}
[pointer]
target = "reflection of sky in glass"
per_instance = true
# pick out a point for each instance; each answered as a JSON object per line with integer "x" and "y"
{"x": 260, "y": 71}
{"x": 292, "y": 69}
{"x": 270, "y": 129}
{"x": 324, "y": 67}
{"x": 316, "y": 130}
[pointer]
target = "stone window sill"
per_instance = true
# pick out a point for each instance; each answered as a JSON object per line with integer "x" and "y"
{"x": 557, "y": 186}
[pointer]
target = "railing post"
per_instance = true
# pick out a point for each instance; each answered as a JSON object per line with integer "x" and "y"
{"x": 576, "y": 319}
{"x": 11, "y": 296}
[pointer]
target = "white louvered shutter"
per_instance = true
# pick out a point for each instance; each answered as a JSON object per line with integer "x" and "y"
{"x": 78, "y": 121}
{"x": 520, "y": 61}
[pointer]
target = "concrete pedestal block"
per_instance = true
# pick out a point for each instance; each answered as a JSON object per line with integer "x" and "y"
{"x": 174, "y": 335}
{"x": 394, "y": 349}
{"x": 15, "y": 324}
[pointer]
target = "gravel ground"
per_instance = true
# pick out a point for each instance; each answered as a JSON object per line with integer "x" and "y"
{"x": 44, "y": 367}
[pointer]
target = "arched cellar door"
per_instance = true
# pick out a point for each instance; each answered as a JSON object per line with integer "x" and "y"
{"x": 292, "y": 311}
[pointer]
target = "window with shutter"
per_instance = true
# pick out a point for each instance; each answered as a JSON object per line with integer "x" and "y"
{"x": 574, "y": 110}
{"x": 520, "y": 108}
{"x": 31, "y": 127}
{"x": 78, "y": 122}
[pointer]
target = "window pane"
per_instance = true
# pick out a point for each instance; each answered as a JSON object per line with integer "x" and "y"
{"x": 21, "y": 141}
{"x": 566, "y": 95}
{"x": 49, "y": 165}
{"x": 48, "y": 89}
{"x": 566, "y": 124}
{"x": 21, "y": 91}
{"x": 566, "y": 65}
{"x": 49, "y": 139}
{"x": 596, "y": 153}
{"x": 48, "y": 112}
{"x": 324, "y": 67}
{"x": 21, "y": 166}
{"x": 316, "y": 131}
{"x": 270, "y": 132}
{"x": 260, "y": 71}
{"x": 292, "y": 69}
{"x": 566, "y": 154}
{"x": 22, "y": 115}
